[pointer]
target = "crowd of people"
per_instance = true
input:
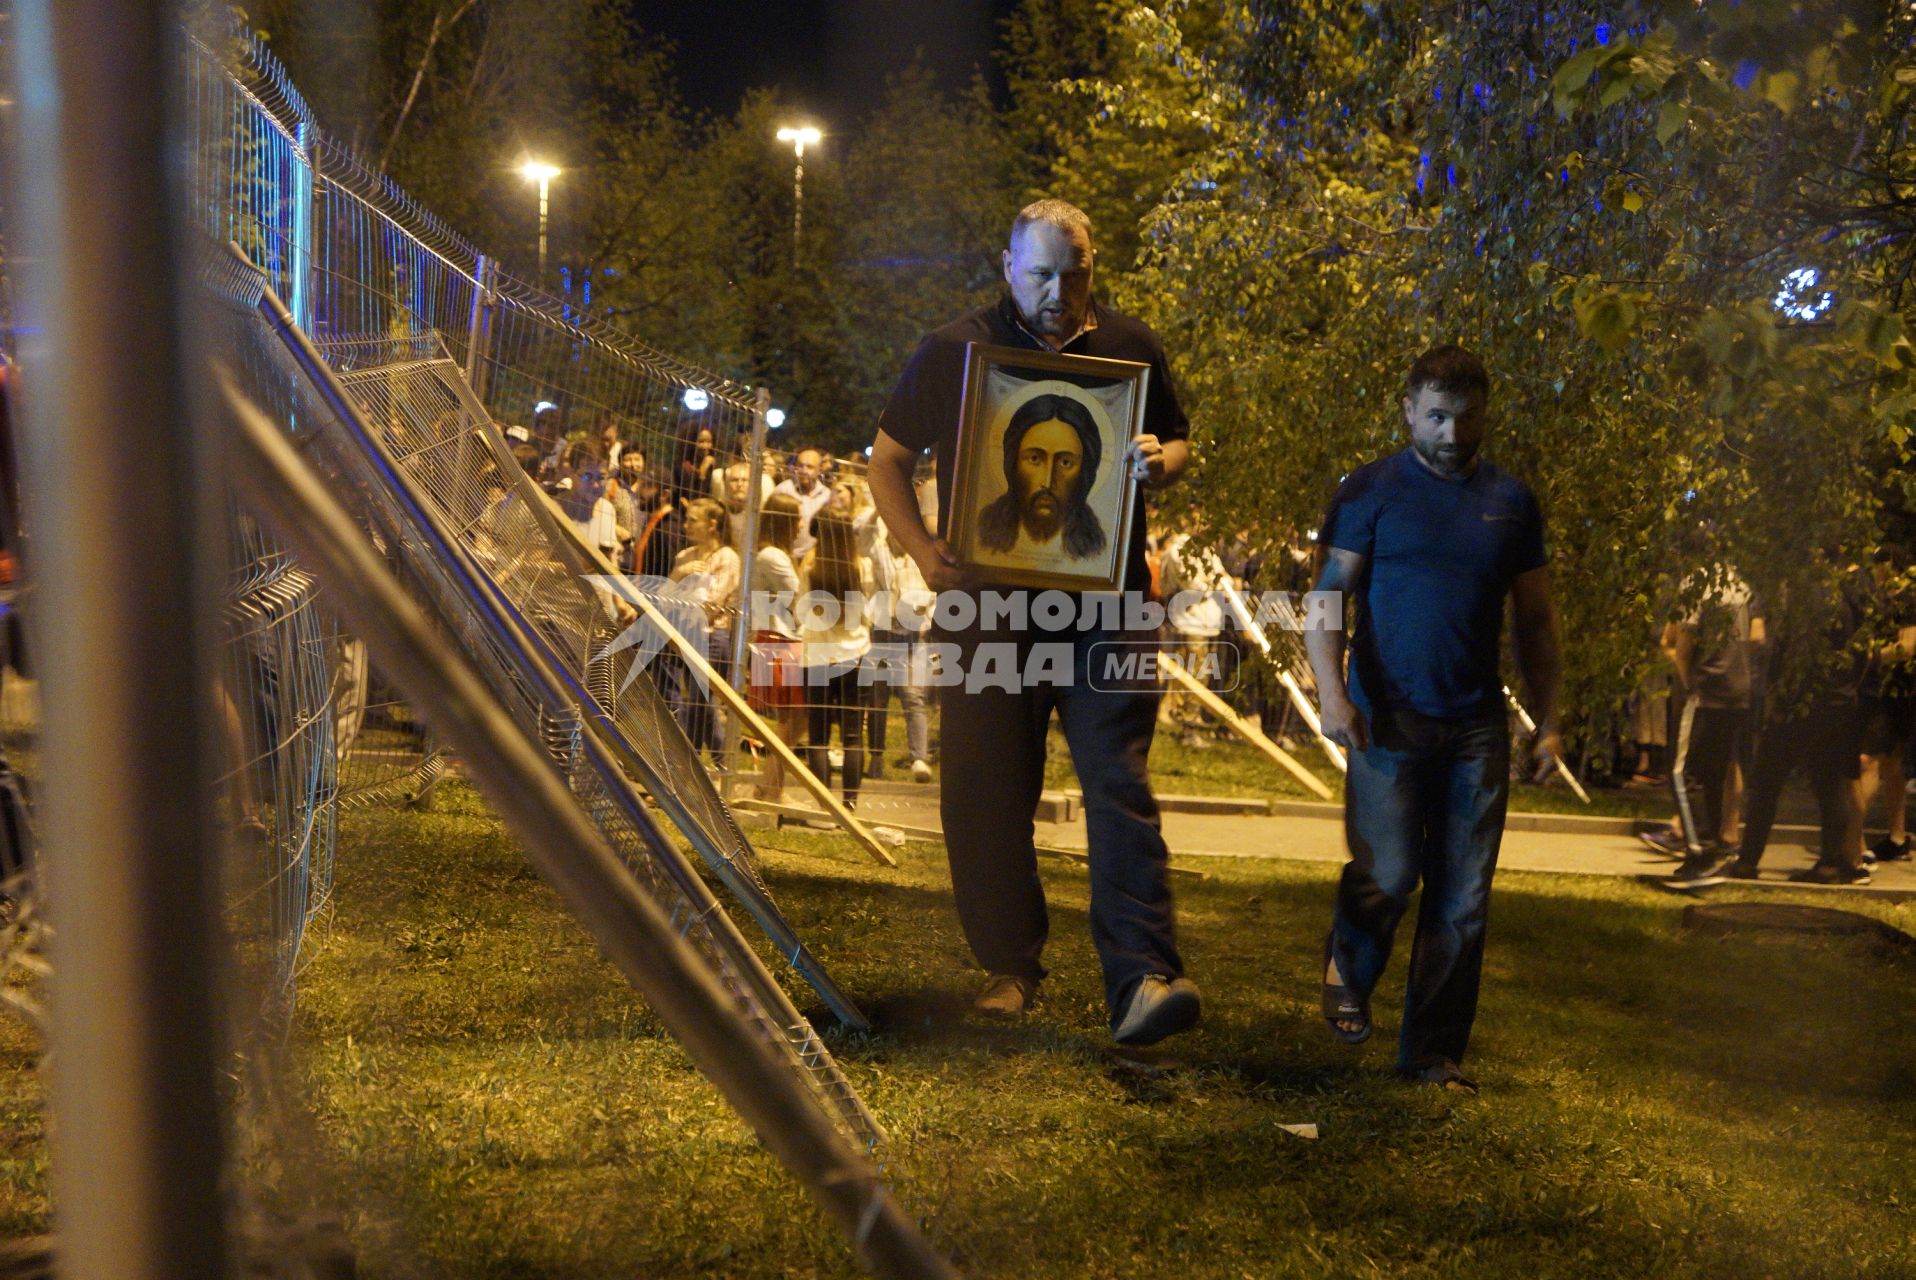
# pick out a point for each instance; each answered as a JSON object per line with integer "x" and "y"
{"x": 678, "y": 527}
{"x": 818, "y": 531}
{"x": 1709, "y": 726}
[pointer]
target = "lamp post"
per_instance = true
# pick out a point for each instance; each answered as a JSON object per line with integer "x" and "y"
{"x": 800, "y": 137}
{"x": 543, "y": 174}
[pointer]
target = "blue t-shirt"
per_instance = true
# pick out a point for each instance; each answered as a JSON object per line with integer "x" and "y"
{"x": 1440, "y": 558}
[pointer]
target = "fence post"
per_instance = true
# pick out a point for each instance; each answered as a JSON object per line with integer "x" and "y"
{"x": 479, "y": 334}
{"x": 305, "y": 272}
{"x": 747, "y": 552}
{"x": 127, "y": 741}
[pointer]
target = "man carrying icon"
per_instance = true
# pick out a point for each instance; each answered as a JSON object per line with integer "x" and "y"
{"x": 994, "y": 736}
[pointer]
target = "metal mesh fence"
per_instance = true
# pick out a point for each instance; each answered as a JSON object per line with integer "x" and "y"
{"x": 448, "y": 448}
{"x": 275, "y": 708}
{"x": 382, "y": 473}
{"x": 406, "y": 311}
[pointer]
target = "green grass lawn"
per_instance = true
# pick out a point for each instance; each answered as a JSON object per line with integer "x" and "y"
{"x": 491, "y": 1101}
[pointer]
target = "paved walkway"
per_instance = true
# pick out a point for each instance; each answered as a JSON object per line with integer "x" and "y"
{"x": 1315, "y": 834}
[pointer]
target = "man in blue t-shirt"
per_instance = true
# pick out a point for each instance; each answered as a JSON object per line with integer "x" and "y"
{"x": 1423, "y": 547}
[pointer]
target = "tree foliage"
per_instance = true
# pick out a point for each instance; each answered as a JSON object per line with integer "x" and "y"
{"x": 1619, "y": 206}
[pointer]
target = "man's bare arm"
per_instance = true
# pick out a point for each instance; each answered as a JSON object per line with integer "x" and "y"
{"x": 1539, "y": 656}
{"x": 1343, "y": 723}
{"x": 1679, "y": 646}
{"x": 889, "y": 474}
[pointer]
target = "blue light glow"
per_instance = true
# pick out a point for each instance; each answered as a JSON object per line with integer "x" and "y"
{"x": 774, "y": 418}
{"x": 1799, "y": 298}
{"x": 696, "y": 399}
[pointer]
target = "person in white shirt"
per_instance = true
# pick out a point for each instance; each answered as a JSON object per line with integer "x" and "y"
{"x": 709, "y": 569}
{"x": 776, "y": 649}
{"x": 732, "y": 488}
{"x": 834, "y": 617}
{"x": 902, "y": 623}
{"x": 809, "y": 491}
{"x": 602, "y": 529}
{"x": 1196, "y": 616}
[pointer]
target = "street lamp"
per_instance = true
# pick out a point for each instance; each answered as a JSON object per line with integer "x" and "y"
{"x": 800, "y": 137}
{"x": 543, "y": 174}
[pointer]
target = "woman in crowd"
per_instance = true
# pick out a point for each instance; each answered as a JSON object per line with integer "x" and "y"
{"x": 697, "y": 461}
{"x": 834, "y": 619}
{"x": 776, "y": 673}
{"x": 710, "y": 567}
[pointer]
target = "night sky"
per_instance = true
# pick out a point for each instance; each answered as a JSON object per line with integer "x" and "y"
{"x": 827, "y": 57}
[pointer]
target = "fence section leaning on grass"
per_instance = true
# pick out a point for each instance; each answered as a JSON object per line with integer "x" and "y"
{"x": 372, "y": 468}
{"x": 367, "y": 271}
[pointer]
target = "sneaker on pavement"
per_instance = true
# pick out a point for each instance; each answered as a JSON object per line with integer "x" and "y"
{"x": 1664, "y": 841}
{"x": 1159, "y": 1007}
{"x": 1829, "y": 873}
{"x": 920, "y": 771}
{"x": 1702, "y": 872}
{"x": 1007, "y": 996}
{"x": 1887, "y": 850}
{"x": 1741, "y": 870}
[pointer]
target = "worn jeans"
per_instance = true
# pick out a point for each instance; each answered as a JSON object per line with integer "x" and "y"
{"x": 1425, "y": 802}
{"x": 994, "y": 754}
{"x": 900, "y": 672}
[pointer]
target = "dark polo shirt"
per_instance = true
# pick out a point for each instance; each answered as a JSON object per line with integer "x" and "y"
{"x": 923, "y": 410}
{"x": 1441, "y": 556}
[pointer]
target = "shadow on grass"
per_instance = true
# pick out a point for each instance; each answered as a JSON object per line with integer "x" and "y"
{"x": 1656, "y": 1102}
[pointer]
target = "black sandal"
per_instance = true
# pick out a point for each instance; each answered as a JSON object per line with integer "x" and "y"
{"x": 1341, "y": 1005}
{"x": 1445, "y": 1075}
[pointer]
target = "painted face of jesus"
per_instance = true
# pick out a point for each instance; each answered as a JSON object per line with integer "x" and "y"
{"x": 1050, "y": 469}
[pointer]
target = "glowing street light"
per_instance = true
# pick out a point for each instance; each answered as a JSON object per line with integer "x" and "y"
{"x": 774, "y": 418}
{"x": 542, "y": 173}
{"x": 696, "y": 399}
{"x": 800, "y": 136}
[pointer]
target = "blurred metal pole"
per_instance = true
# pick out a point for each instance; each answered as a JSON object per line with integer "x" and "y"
{"x": 748, "y": 554}
{"x": 479, "y": 332}
{"x": 125, "y": 604}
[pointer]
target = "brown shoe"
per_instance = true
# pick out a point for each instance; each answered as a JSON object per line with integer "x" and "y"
{"x": 1007, "y": 996}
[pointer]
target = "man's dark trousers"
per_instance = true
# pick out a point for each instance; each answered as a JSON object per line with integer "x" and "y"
{"x": 993, "y": 754}
{"x": 1826, "y": 741}
{"x": 1703, "y": 741}
{"x": 1424, "y": 802}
